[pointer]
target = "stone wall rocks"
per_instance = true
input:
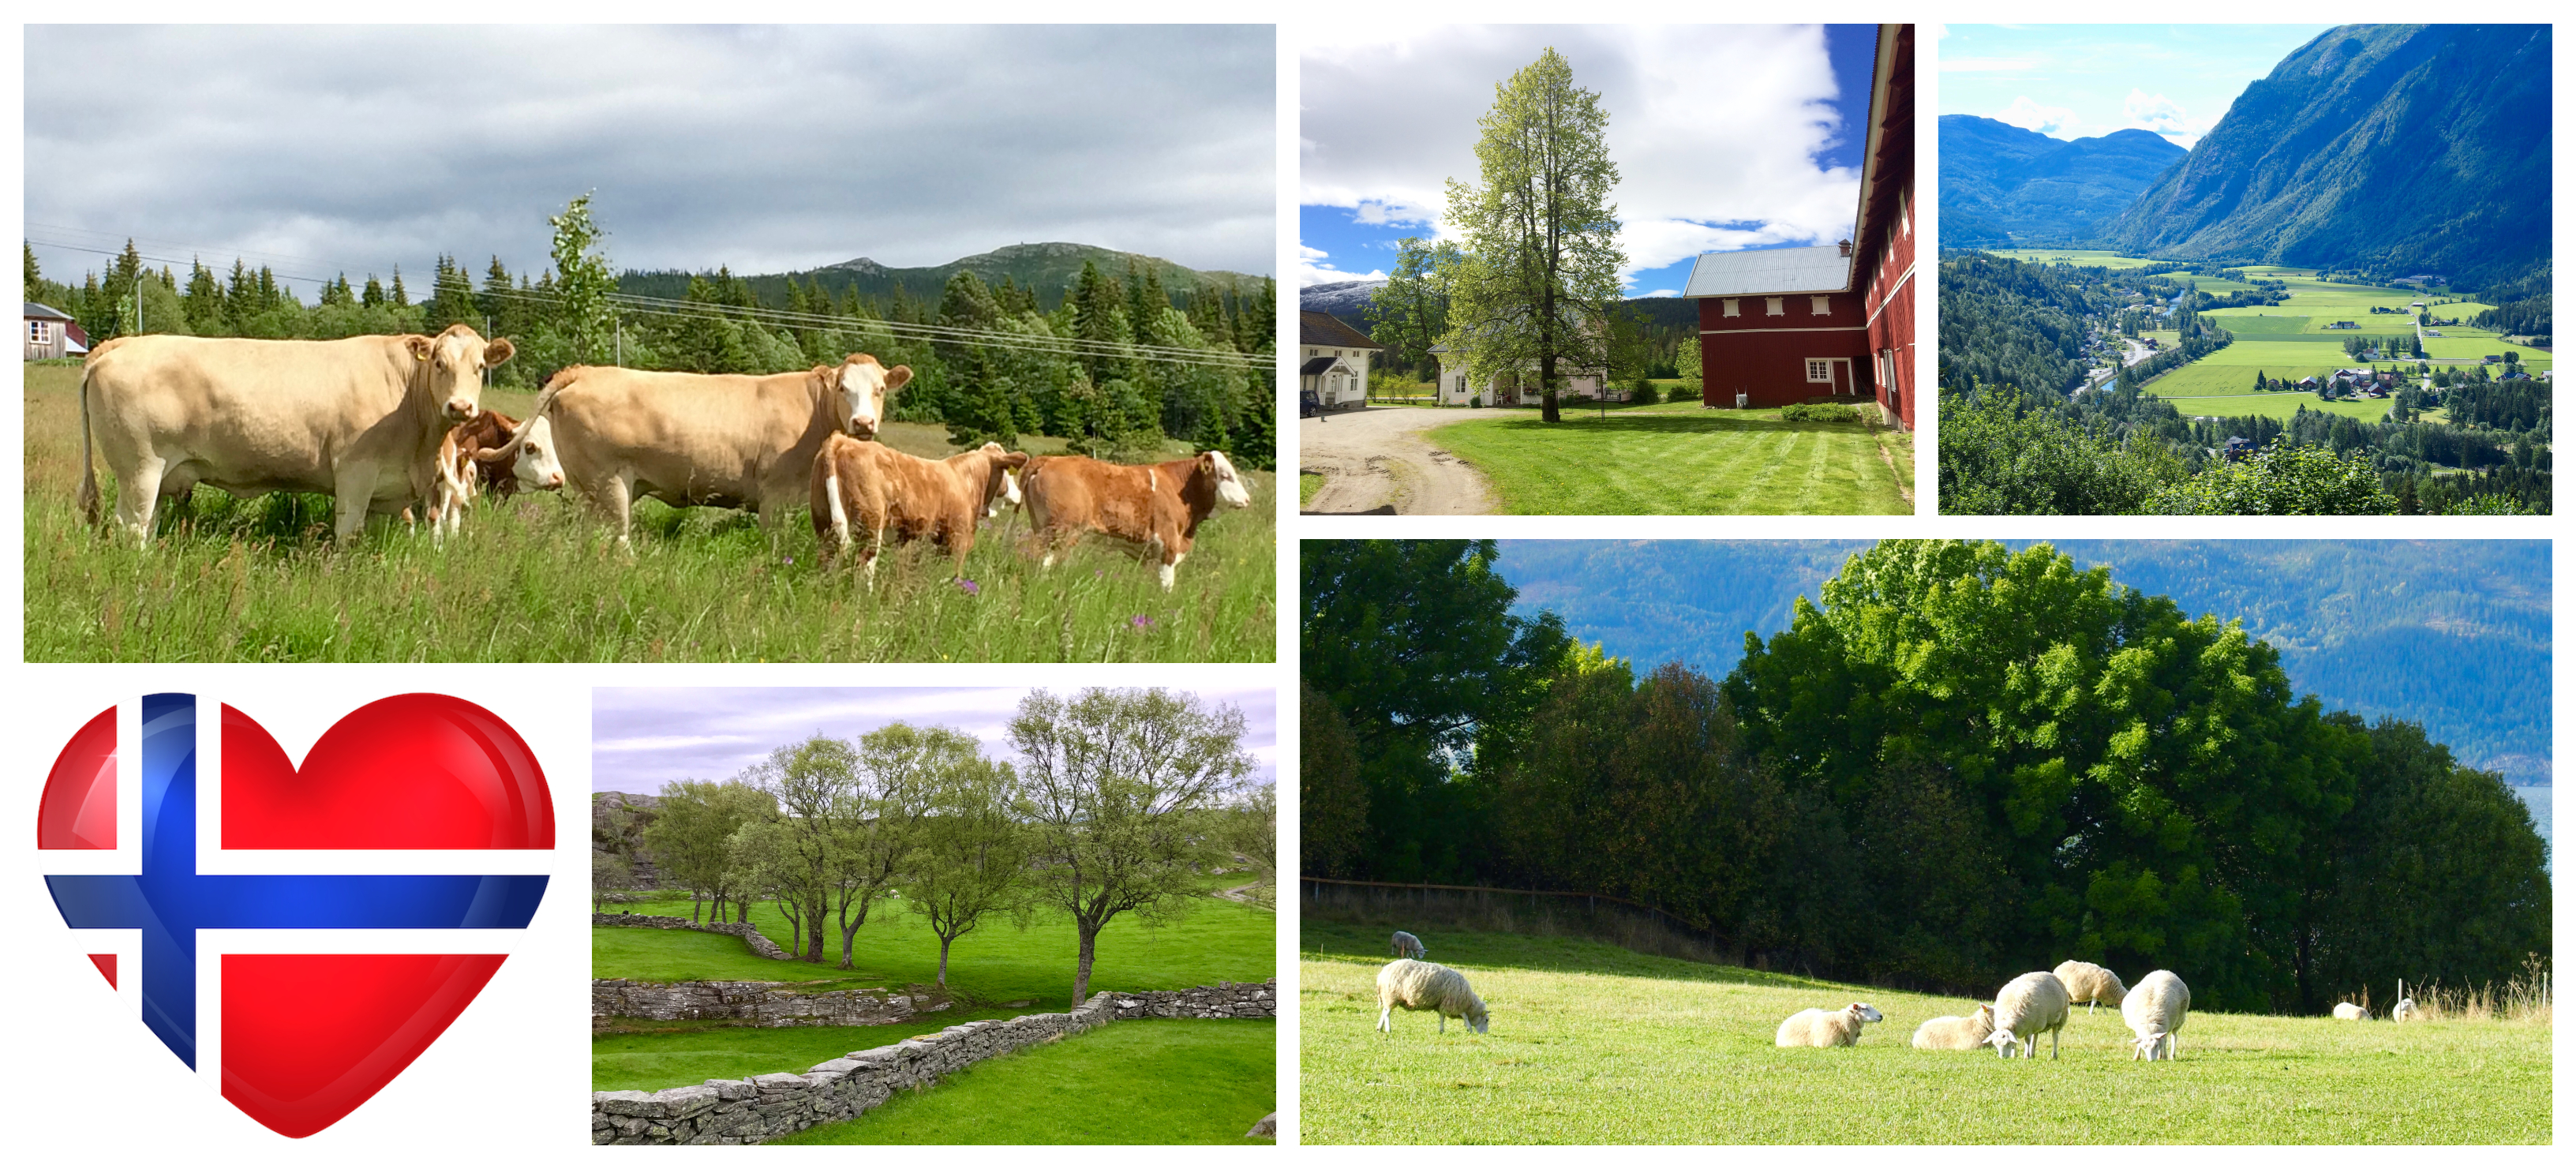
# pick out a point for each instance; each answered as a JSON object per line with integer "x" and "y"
{"x": 750, "y": 936}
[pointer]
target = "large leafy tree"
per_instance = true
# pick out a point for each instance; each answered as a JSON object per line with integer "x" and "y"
{"x": 1540, "y": 271}
{"x": 583, "y": 282}
{"x": 970, "y": 852}
{"x": 1410, "y": 312}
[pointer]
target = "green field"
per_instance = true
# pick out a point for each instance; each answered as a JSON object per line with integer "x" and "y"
{"x": 669, "y": 1055}
{"x": 2079, "y": 259}
{"x": 1307, "y": 485}
{"x": 2273, "y": 405}
{"x": 535, "y": 580}
{"x": 1596, "y": 1045}
{"x": 1140, "y": 1082}
{"x": 1680, "y": 459}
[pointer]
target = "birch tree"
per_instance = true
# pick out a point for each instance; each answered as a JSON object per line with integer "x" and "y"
{"x": 1117, "y": 788}
{"x": 972, "y": 860}
{"x": 1540, "y": 269}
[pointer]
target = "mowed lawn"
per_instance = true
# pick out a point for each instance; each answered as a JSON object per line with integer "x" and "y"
{"x": 1678, "y": 459}
{"x": 1595, "y": 1045}
{"x": 536, "y": 580}
{"x": 1140, "y": 1082}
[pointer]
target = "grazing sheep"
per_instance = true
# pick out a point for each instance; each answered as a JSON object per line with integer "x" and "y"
{"x": 1427, "y": 986}
{"x": 1408, "y": 946}
{"x": 2351, "y": 1012}
{"x": 1818, "y": 1027}
{"x": 2404, "y": 1010}
{"x": 1952, "y": 1033}
{"x": 2156, "y": 1010}
{"x": 2088, "y": 984}
{"x": 2026, "y": 1006}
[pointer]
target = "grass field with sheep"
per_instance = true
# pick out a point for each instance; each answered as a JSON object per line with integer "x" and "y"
{"x": 535, "y": 579}
{"x": 1590, "y": 1044}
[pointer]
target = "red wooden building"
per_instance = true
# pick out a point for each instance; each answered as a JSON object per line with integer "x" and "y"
{"x": 1783, "y": 325}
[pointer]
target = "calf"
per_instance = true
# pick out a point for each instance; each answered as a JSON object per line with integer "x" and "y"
{"x": 1158, "y": 506}
{"x": 470, "y": 460}
{"x": 872, "y": 487}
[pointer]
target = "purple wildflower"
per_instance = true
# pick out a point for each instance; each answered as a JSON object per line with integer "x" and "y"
{"x": 968, "y": 587}
{"x": 1140, "y": 621}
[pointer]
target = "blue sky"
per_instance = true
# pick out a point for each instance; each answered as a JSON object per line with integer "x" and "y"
{"x": 1727, "y": 137}
{"x": 2087, "y": 80}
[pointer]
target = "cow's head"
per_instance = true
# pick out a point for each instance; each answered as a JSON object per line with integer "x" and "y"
{"x": 1001, "y": 486}
{"x": 453, "y": 363}
{"x": 533, "y": 463}
{"x": 864, "y": 385}
{"x": 1229, "y": 485}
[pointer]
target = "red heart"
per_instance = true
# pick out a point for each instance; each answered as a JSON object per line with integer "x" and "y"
{"x": 466, "y": 781}
{"x": 310, "y": 1037}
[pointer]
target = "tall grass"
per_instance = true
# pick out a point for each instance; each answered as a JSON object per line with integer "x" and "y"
{"x": 536, "y": 579}
{"x": 2525, "y": 999}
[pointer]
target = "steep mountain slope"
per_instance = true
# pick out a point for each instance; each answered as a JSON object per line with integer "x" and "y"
{"x": 2003, "y": 184}
{"x": 1050, "y": 268}
{"x": 2399, "y": 149}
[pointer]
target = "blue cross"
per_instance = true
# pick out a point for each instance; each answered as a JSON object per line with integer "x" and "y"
{"x": 170, "y": 901}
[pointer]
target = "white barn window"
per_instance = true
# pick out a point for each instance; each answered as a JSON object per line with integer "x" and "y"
{"x": 40, "y": 332}
{"x": 1771, "y": 306}
{"x": 1822, "y": 306}
{"x": 1820, "y": 369}
{"x": 1731, "y": 307}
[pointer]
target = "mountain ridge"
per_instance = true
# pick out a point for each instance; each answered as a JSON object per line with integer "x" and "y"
{"x": 1049, "y": 268}
{"x": 2003, "y": 184}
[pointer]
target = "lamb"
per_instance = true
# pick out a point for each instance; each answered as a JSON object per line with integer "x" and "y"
{"x": 1952, "y": 1033}
{"x": 2089, "y": 984}
{"x": 2155, "y": 1010}
{"x": 1818, "y": 1027}
{"x": 2026, "y": 1006}
{"x": 2351, "y": 1012}
{"x": 1427, "y": 986}
{"x": 1407, "y": 946}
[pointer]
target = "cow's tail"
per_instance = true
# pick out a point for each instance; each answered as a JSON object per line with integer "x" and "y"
{"x": 89, "y": 468}
{"x": 545, "y": 401}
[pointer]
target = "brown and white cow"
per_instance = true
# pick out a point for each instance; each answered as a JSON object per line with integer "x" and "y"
{"x": 863, "y": 490}
{"x": 1156, "y": 505}
{"x": 359, "y": 419}
{"x": 707, "y": 440}
{"x": 472, "y": 461}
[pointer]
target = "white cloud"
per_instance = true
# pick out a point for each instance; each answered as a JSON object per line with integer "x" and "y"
{"x": 1312, "y": 269}
{"x": 2162, "y": 115}
{"x": 1707, "y": 123}
{"x": 2054, "y": 121}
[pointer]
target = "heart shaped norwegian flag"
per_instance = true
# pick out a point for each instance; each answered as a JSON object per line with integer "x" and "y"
{"x": 306, "y": 1037}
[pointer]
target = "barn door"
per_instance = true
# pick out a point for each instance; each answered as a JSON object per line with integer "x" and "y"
{"x": 1842, "y": 375}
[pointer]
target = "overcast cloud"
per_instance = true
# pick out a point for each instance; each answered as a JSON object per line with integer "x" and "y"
{"x": 644, "y": 738}
{"x": 1715, "y": 128}
{"x": 762, "y": 148}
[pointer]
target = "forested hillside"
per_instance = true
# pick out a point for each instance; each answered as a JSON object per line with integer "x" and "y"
{"x": 2005, "y": 186}
{"x": 2388, "y": 149}
{"x": 1047, "y": 270}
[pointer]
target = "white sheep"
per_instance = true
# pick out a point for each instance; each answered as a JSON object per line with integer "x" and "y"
{"x": 2351, "y": 1012}
{"x": 2404, "y": 1010}
{"x": 1427, "y": 986}
{"x": 1953, "y": 1033}
{"x": 2156, "y": 1010}
{"x": 2026, "y": 1006}
{"x": 1818, "y": 1027}
{"x": 1408, "y": 946}
{"x": 2088, "y": 984}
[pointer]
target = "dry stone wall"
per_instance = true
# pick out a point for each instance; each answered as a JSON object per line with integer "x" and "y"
{"x": 764, "y": 1004}
{"x": 749, "y": 1111}
{"x": 750, "y": 936}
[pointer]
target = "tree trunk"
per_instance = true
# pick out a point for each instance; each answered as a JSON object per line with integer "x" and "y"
{"x": 849, "y": 932}
{"x": 944, "y": 941}
{"x": 1082, "y": 965}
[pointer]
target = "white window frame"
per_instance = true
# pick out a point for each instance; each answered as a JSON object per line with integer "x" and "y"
{"x": 1772, "y": 306}
{"x": 1820, "y": 369}
{"x": 40, "y": 332}
{"x": 1730, "y": 307}
{"x": 1820, "y": 306}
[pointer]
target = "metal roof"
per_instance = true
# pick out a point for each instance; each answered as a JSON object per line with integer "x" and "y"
{"x": 1771, "y": 270}
{"x": 45, "y": 312}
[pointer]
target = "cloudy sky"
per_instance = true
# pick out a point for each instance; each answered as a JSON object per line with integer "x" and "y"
{"x": 1726, "y": 136}
{"x": 644, "y": 738}
{"x": 2087, "y": 80}
{"x": 318, "y": 149}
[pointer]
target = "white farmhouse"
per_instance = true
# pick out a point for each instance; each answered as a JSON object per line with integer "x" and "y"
{"x": 1335, "y": 368}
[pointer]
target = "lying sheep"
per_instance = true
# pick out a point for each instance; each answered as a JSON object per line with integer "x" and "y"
{"x": 1952, "y": 1033}
{"x": 2088, "y": 984}
{"x": 1427, "y": 986}
{"x": 2026, "y": 1006}
{"x": 1408, "y": 946}
{"x": 2351, "y": 1012}
{"x": 1818, "y": 1027}
{"x": 2404, "y": 1010}
{"x": 2156, "y": 1010}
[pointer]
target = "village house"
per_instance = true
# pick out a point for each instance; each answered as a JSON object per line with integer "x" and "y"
{"x": 1519, "y": 388}
{"x": 1335, "y": 369}
{"x": 51, "y": 332}
{"x": 1781, "y": 325}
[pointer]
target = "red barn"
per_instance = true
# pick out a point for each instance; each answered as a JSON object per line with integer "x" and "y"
{"x": 1783, "y": 325}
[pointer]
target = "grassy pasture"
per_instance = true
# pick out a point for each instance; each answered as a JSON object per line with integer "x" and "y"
{"x": 1140, "y": 1082}
{"x": 2078, "y": 259}
{"x": 1679, "y": 459}
{"x": 671, "y": 1055}
{"x": 2247, "y": 323}
{"x": 536, "y": 580}
{"x": 1592, "y": 1044}
{"x": 2274, "y": 405}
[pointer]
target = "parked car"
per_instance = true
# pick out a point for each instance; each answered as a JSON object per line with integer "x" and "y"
{"x": 1307, "y": 406}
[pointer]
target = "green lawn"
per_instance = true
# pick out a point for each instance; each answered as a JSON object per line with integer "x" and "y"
{"x": 1595, "y": 1045}
{"x": 1215, "y": 941}
{"x": 1141, "y": 1082}
{"x": 1307, "y": 485}
{"x": 673, "y": 1055}
{"x": 1676, "y": 459}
